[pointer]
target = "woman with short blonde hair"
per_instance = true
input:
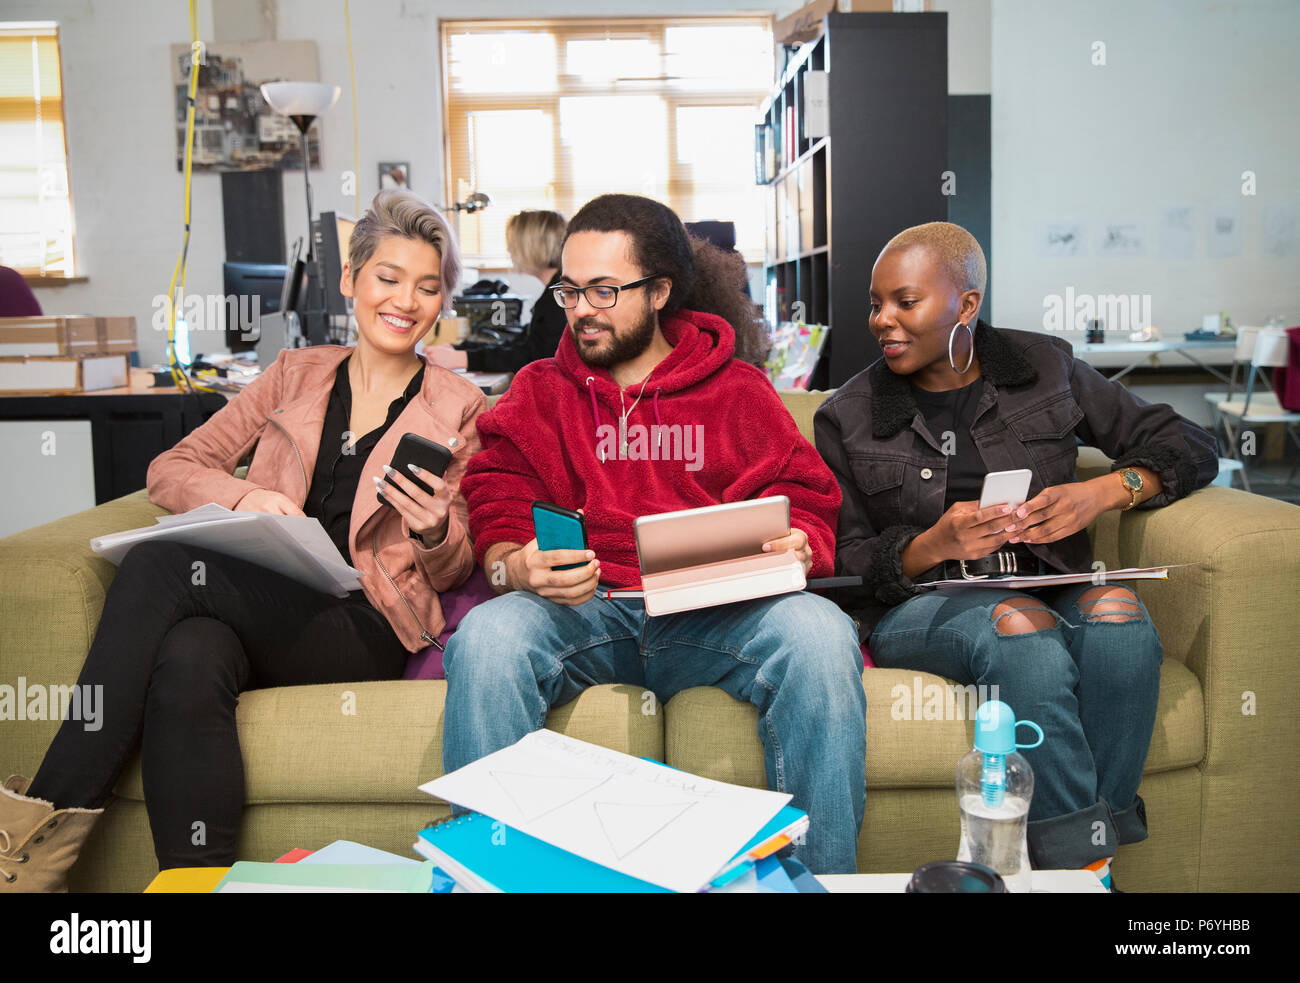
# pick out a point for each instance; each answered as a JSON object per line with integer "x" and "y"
{"x": 534, "y": 240}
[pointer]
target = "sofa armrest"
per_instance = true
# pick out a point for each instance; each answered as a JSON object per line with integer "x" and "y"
{"x": 1228, "y": 617}
{"x": 52, "y": 589}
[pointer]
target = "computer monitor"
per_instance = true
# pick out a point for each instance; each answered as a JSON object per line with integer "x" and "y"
{"x": 263, "y": 286}
{"x": 331, "y": 234}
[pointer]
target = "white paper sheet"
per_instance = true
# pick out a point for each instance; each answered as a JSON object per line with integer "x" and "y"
{"x": 664, "y": 826}
{"x": 349, "y": 852}
{"x": 296, "y": 546}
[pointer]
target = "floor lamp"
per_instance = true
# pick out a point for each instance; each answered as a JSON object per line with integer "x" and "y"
{"x": 302, "y": 102}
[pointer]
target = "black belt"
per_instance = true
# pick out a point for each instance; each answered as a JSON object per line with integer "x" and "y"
{"x": 999, "y": 564}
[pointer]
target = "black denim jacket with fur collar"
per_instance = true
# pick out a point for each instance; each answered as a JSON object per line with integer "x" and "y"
{"x": 1038, "y": 403}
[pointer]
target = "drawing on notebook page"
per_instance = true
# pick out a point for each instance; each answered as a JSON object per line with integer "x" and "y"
{"x": 536, "y": 795}
{"x": 629, "y": 825}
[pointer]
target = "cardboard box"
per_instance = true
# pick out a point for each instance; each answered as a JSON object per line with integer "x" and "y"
{"x": 71, "y": 334}
{"x": 805, "y": 24}
{"x": 62, "y": 374}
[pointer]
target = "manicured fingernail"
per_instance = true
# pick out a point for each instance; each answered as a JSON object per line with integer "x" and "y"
{"x": 414, "y": 469}
{"x": 1006, "y": 509}
{"x": 379, "y": 482}
{"x": 388, "y": 470}
{"x": 1009, "y": 529}
{"x": 767, "y": 547}
{"x": 1020, "y": 513}
{"x": 591, "y": 555}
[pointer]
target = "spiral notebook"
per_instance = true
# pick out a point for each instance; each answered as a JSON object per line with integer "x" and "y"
{"x": 484, "y": 855}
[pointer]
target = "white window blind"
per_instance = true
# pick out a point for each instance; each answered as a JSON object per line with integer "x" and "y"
{"x": 549, "y": 114}
{"x": 35, "y": 208}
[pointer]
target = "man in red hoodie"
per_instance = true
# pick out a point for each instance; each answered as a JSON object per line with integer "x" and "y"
{"x": 644, "y": 410}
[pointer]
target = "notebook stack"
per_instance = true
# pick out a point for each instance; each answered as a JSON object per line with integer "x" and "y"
{"x": 554, "y": 814}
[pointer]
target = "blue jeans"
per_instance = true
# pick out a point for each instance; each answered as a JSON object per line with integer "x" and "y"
{"x": 794, "y": 657}
{"x": 1092, "y": 685}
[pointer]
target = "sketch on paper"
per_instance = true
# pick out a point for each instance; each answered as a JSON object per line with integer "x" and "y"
{"x": 1178, "y": 232}
{"x": 536, "y": 795}
{"x": 1120, "y": 239}
{"x": 629, "y": 825}
{"x": 1061, "y": 239}
{"x": 1223, "y": 233}
{"x": 1279, "y": 230}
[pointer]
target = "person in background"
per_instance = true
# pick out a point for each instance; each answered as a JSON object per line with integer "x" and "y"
{"x": 16, "y": 298}
{"x": 533, "y": 239}
{"x": 185, "y": 630}
{"x": 910, "y": 439}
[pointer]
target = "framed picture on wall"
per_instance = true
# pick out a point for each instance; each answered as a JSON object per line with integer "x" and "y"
{"x": 234, "y": 128}
{"x": 394, "y": 174}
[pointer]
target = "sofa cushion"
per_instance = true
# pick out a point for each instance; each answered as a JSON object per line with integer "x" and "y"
{"x": 301, "y": 743}
{"x": 712, "y": 734}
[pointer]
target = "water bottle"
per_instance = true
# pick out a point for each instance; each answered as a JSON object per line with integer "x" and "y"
{"x": 994, "y": 787}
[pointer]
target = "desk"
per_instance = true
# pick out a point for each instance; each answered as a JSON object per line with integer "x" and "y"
{"x": 1138, "y": 353}
{"x": 129, "y": 427}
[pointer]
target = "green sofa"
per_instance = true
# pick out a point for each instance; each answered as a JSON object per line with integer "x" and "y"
{"x": 1219, "y": 785}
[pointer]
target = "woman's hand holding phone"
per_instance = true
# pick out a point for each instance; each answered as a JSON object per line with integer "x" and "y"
{"x": 964, "y": 532}
{"x": 425, "y": 514}
{"x": 1062, "y": 510}
{"x": 266, "y": 500}
{"x": 532, "y": 569}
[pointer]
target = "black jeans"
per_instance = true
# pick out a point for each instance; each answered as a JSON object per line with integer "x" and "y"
{"x": 184, "y": 631}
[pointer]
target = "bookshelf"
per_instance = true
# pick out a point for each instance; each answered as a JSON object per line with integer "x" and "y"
{"x": 851, "y": 145}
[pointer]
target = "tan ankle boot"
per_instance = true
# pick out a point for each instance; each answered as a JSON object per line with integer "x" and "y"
{"x": 38, "y": 843}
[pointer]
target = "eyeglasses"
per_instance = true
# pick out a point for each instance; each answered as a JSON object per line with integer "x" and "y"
{"x": 598, "y": 295}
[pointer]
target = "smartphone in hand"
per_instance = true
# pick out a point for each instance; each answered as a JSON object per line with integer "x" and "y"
{"x": 425, "y": 454}
{"x": 1005, "y": 488}
{"x": 559, "y": 529}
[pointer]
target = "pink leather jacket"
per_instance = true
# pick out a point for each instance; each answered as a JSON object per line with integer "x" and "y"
{"x": 282, "y": 413}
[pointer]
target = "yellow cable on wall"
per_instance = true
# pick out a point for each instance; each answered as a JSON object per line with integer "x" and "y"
{"x": 179, "y": 376}
{"x": 356, "y": 142}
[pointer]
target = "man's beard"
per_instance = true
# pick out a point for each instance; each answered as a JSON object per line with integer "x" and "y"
{"x": 620, "y": 347}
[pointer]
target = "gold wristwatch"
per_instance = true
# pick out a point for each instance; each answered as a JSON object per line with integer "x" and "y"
{"x": 1133, "y": 484}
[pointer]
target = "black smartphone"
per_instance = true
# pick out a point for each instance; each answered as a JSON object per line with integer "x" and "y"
{"x": 424, "y": 454}
{"x": 559, "y": 529}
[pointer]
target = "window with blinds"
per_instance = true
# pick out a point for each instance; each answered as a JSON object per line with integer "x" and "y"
{"x": 35, "y": 209}
{"x": 549, "y": 114}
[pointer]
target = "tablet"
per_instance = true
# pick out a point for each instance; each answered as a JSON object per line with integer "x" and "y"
{"x": 699, "y": 558}
{"x": 694, "y": 537}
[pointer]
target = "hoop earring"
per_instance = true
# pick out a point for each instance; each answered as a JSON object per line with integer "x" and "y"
{"x": 951, "y": 336}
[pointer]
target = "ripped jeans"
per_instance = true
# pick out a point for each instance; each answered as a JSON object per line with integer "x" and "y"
{"x": 1083, "y": 662}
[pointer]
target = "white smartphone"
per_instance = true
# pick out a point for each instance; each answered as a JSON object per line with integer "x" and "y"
{"x": 1005, "y": 488}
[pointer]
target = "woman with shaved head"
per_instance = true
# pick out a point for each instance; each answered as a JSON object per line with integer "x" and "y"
{"x": 910, "y": 440}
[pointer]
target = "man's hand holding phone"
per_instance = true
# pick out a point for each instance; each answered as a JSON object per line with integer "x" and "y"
{"x": 532, "y": 569}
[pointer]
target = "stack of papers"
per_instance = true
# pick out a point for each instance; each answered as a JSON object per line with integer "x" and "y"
{"x": 343, "y": 866}
{"x": 552, "y": 813}
{"x": 1056, "y": 579}
{"x": 295, "y": 546}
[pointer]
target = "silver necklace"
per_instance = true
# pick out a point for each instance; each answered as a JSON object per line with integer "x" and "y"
{"x": 622, "y": 422}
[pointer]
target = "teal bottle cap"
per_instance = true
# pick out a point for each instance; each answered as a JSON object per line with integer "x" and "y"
{"x": 995, "y": 729}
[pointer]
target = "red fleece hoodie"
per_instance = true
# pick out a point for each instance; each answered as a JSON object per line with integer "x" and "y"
{"x": 733, "y": 439}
